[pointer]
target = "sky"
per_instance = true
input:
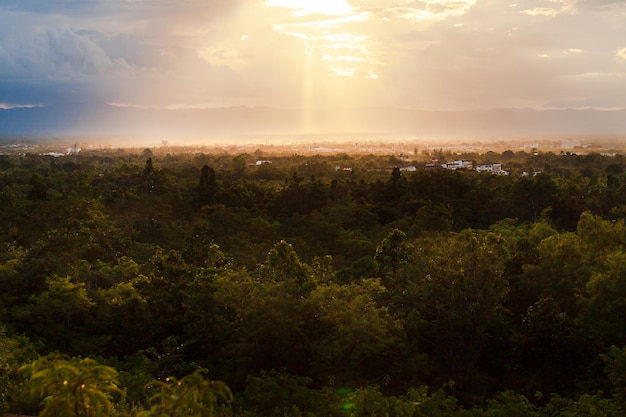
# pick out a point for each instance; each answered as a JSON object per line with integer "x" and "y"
{"x": 429, "y": 54}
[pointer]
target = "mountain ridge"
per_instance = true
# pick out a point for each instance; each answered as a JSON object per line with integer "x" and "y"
{"x": 241, "y": 120}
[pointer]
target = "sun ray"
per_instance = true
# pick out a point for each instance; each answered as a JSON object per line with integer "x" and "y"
{"x": 308, "y": 7}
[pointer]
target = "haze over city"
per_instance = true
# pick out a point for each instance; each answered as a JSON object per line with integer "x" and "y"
{"x": 199, "y": 69}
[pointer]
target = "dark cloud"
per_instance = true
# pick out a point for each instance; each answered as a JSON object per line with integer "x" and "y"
{"x": 66, "y": 7}
{"x": 97, "y": 44}
{"x": 54, "y": 53}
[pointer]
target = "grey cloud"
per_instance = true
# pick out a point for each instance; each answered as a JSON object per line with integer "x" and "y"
{"x": 44, "y": 6}
{"x": 108, "y": 50}
{"x": 45, "y": 38}
{"x": 6, "y": 61}
{"x": 128, "y": 48}
{"x": 484, "y": 63}
{"x": 166, "y": 51}
{"x": 603, "y": 3}
{"x": 73, "y": 54}
{"x": 56, "y": 53}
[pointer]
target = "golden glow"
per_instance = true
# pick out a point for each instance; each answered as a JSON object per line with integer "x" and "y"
{"x": 309, "y": 7}
{"x": 220, "y": 55}
{"x": 314, "y": 54}
{"x": 431, "y": 11}
{"x": 327, "y": 35}
{"x": 341, "y": 43}
{"x": 410, "y": 14}
{"x": 541, "y": 11}
{"x": 347, "y": 33}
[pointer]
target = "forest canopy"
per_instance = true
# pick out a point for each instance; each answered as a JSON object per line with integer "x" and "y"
{"x": 299, "y": 287}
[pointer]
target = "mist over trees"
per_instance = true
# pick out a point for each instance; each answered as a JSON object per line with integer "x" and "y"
{"x": 156, "y": 283}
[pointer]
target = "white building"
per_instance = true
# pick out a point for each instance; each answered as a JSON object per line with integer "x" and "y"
{"x": 570, "y": 144}
{"x": 493, "y": 168}
{"x": 454, "y": 165}
{"x": 489, "y": 167}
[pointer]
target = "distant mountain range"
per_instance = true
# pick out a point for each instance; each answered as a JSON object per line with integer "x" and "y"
{"x": 128, "y": 121}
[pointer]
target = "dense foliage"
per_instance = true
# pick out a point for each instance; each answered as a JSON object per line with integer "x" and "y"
{"x": 311, "y": 290}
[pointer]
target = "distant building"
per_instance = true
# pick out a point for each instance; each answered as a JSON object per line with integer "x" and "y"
{"x": 461, "y": 164}
{"x": 495, "y": 168}
{"x": 409, "y": 168}
{"x": 570, "y": 144}
{"x": 433, "y": 166}
{"x": 321, "y": 149}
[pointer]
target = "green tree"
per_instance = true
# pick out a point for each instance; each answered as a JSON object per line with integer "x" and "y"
{"x": 392, "y": 254}
{"x": 273, "y": 330}
{"x": 124, "y": 318}
{"x": 370, "y": 401}
{"x": 238, "y": 166}
{"x": 562, "y": 270}
{"x": 599, "y": 237}
{"x": 207, "y": 178}
{"x": 72, "y": 387}
{"x": 358, "y": 337}
{"x": 284, "y": 265}
{"x": 433, "y": 217}
{"x": 533, "y": 194}
{"x": 604, "y": 302}
{"x": 554, "y": 340}
{"x": 165, "y": 287}
{"x": 584, "y": 405}
{"x": 154, "y": 180}
{"x": 615, "y": 362}
{"x": 509, "y": 404}
{"x": 14, "y": 351}
{"x": 39, "y": 190}
{"x": 277, "y": 393}
{"x": 57, "y": 314}
{"x": 15, "y": 289}
{"x": 192, "y": 395}
{"x": 456, "y": 300}
{"x": 553, "y": 348}
{"x": 208, "y": 184}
